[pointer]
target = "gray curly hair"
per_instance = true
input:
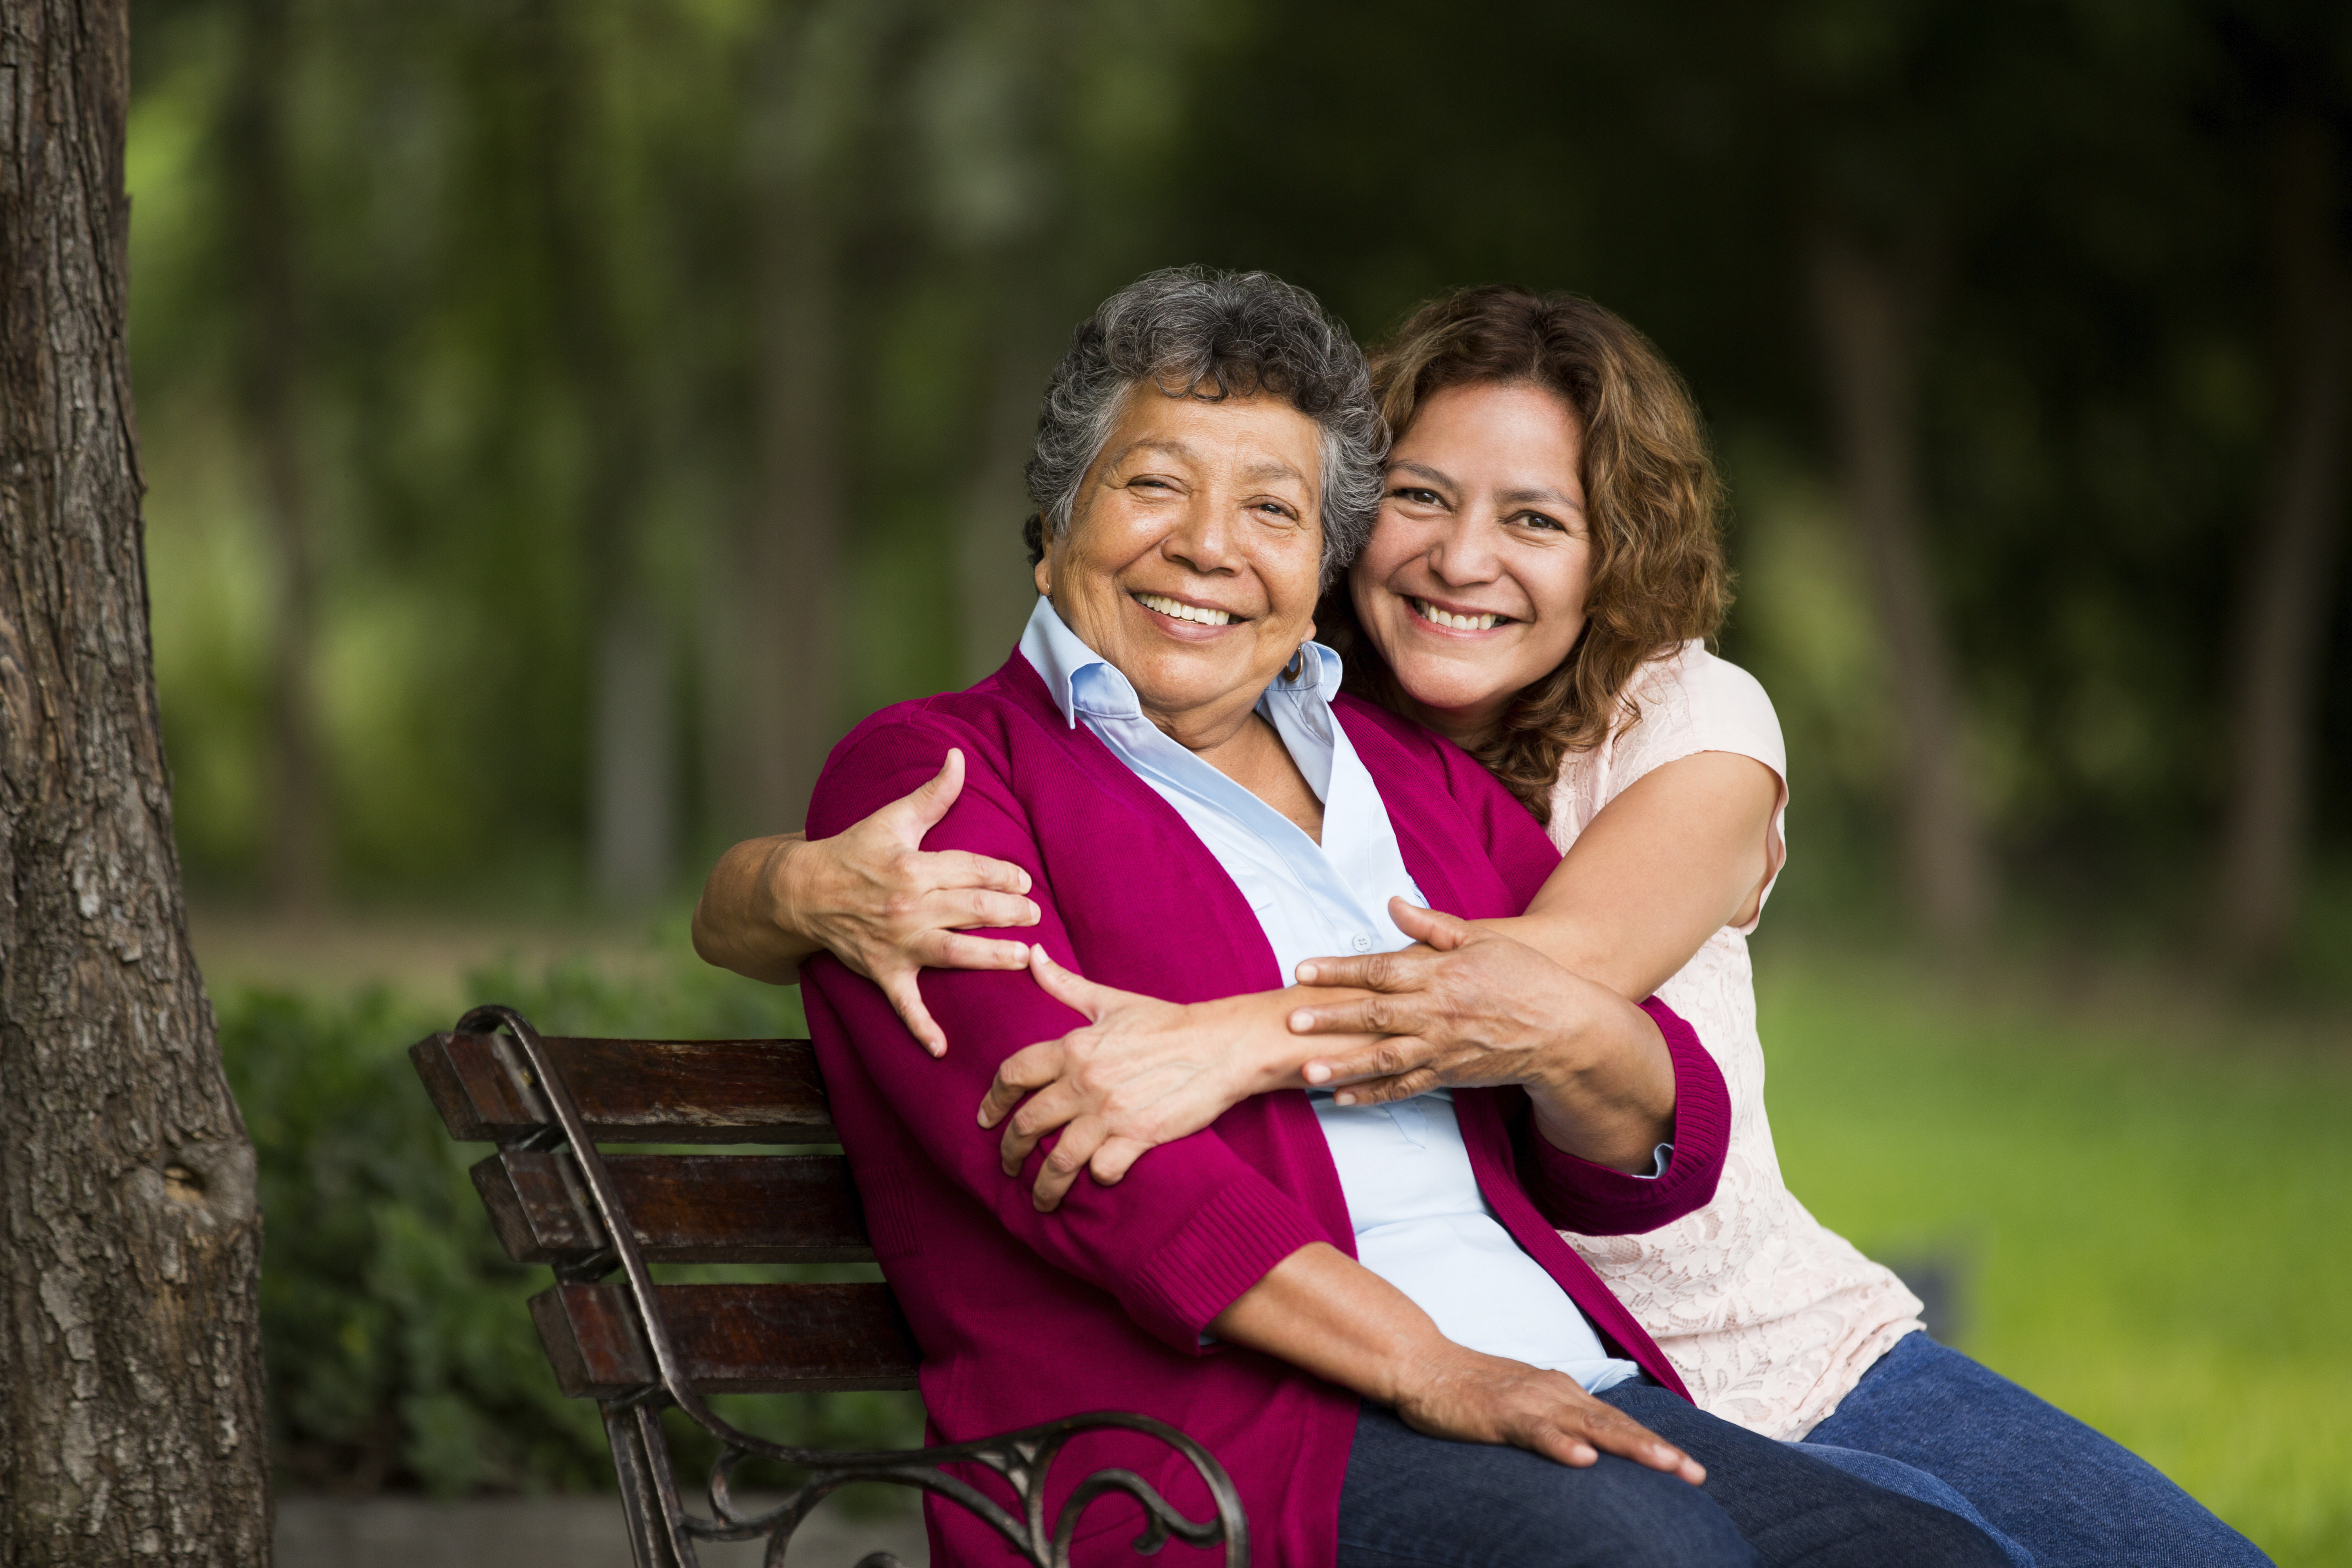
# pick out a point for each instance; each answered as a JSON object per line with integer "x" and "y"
{"x": 1238, "y": 333}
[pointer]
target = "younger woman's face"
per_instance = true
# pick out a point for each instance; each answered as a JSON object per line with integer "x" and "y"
{"x": 1474, "y": 584}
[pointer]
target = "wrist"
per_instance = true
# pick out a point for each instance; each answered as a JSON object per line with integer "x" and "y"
{"x": 784, "y": 890}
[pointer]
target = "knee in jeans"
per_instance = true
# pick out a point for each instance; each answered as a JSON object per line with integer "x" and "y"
{"x": 1935, "y": 1537}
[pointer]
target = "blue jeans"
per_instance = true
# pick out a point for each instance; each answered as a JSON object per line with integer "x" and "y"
{"x": 1411, "y": 1500}
{"x": 1928, "y": 1422}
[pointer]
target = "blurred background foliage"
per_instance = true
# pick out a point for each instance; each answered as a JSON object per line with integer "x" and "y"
{"x": 563, "y": 418}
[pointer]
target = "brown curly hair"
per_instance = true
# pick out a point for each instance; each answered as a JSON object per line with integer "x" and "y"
{"x": 1651, "y": 498}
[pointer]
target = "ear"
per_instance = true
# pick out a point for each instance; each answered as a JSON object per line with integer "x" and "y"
{"x": 1043, "y": 573}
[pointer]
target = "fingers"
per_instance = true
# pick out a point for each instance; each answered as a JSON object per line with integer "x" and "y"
{"x": 1614, "y": 1432}
{"x": 961, "y": 868}
{"x": 1383, "y": 1059}
{"x": 1115, "y": 1158}
{"x": 1058, "y": 1103}
{"x": 1388, "y": 1090}
{"x": 1065, "y": 1161}
{"x": 1434, "y": 927}
{"x": 1030, "y": 1067}
{"x": 1565, "y": 1447}
{"x": 1070, "y": 989}
{"x": 969, "y": 908}
{"x": 1361, "y": 1016}
{"x": 907, "y": 1001}
{"x": 953, "y": 949}
{"x": 921, "y": 811}
{"x": 1377, "y": 971}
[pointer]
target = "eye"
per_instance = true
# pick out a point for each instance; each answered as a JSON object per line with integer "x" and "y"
{"x": 1538, "y": 520}
{"x": 1416, "y": 495}
{"x": 1149, "y": 482}
{"x": 1275, "y": 508}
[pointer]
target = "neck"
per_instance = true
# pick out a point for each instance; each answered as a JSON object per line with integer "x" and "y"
{"x": 1468, "y": 728}
{"x": 1206, "y": 731}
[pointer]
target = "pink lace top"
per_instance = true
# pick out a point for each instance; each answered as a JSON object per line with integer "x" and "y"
{"x": 1769, "y": 1317}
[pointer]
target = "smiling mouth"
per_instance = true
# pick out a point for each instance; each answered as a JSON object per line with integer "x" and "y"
{"x": 1176, "y": 609}
{"x": 1452, "y": 622}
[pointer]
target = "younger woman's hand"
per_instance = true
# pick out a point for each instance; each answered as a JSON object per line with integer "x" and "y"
{"x": 1142, "y": 1073}
{"x": 875, "y": 899}
{"x": 1463, "y": 1008}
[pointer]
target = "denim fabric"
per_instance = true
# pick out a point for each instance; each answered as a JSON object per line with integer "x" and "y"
{"x": 2054, "y": 1488}
{"x": 1412, "y": 1500}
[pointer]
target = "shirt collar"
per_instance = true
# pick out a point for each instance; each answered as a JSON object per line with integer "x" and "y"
{"x": 1076, "y": 674}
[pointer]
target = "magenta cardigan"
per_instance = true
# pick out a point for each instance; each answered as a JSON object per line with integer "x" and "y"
{"x": 1024, "y": 1317}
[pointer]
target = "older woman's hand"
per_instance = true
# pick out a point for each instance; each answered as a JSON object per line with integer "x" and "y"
{"x": 872, "y": 897}
{"x": 1471, "y": 1008}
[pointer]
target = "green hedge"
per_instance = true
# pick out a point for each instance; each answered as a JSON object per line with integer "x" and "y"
{"x": 399, "y": 1352}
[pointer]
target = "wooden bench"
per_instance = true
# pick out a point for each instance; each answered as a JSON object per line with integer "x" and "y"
{"x": 615, "y": 1335}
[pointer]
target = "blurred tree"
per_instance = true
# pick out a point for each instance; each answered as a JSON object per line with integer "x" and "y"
{"x": 817, "y": 67}
{"x": 573, "y": 154}
{"x": 265, "y": 231}
{"x": 2288, "y": 585}
{"x": 130, "y": 1241}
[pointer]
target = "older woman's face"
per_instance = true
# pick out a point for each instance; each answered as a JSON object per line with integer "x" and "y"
{"x": 1192, "y": 556}
{"x": 1474, "y": 584}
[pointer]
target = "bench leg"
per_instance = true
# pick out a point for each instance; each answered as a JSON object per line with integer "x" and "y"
{"x": 642, "y": 1468}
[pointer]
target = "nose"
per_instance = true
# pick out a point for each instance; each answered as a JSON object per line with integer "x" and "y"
{"x": 1463, "y": 556}
{"x": 1206, "y": 539}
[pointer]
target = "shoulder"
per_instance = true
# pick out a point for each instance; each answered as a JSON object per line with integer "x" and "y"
{"x": 1690, "y": 700}
{"x": 994, "y": 723}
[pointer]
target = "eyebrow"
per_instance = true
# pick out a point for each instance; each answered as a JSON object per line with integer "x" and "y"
{"x": 1542, "y": 493}
{"x": 1270, "y": 469}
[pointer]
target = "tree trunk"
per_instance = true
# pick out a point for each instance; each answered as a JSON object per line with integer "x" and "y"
{"x": 791, "y": 548}
{"x": 130, "y": 1362}
{"x": 1867, "y": 317}
{"x": 2284, "y": 600}
{"x": 297, "y": 825}
{"x": 992, "y": 574}
{"x": 633, "y": 740}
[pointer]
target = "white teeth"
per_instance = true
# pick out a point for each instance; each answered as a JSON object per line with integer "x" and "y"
{"x": 1430, "y": 611}
{"x": 1183, "y": 612}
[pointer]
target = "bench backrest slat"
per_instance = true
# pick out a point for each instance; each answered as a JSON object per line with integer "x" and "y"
{"x": 733, "y": 1338}
{"x": 631, "y": 1091}
{"x": 684, "y": 1208}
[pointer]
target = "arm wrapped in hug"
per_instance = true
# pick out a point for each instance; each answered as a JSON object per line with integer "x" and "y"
{"x": 1593, "y": 1200}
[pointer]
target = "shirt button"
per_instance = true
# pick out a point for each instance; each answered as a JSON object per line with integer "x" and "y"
{"x": 1363, "y": 943}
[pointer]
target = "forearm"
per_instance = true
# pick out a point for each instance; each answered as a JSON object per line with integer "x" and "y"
{"x": 1683, "y": 853}
{"x": 1326, "y": 1314}
{"x": 1608, "y": 1095}
{"x": 743, "y": 922}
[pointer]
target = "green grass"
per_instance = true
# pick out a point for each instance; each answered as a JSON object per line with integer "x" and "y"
{"x": 2153, "y": 1209}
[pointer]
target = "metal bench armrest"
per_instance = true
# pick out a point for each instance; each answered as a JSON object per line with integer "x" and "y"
{"x": 663, "y": 1531}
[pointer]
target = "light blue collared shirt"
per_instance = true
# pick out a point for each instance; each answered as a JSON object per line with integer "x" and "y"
{"x": 1421, "y": 1222}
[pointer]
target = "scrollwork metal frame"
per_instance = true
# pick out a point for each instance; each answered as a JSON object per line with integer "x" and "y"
{"x": 663, "y": 1531}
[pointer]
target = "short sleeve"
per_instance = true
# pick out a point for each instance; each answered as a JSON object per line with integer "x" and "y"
{"x": 1689, "y": 702}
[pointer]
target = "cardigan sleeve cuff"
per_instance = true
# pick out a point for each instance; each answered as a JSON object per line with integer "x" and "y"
{"x": 1593, "y": 1200}
{"x": 1240, "y": 1234}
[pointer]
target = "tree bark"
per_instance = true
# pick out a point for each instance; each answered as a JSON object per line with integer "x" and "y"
{"x": 1866, "y": 313}
{"x": 130, "y": 1362}
{"x": 297, "y": 849}
{"x": 2284, "y": 597}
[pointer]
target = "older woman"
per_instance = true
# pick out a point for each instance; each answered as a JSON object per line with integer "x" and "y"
{"x": 1365, "y": 1316}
